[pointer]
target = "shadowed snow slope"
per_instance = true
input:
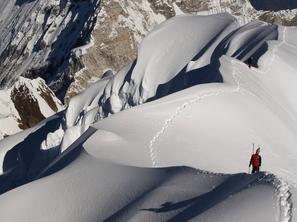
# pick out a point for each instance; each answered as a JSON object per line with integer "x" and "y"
{"x": 94, "y": 190}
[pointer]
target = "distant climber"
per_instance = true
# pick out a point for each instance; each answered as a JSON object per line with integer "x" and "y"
{"x": 256, "y": 161}
{"x": 249, "y": 62}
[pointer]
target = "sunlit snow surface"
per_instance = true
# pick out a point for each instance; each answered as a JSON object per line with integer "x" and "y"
{"x": 208, "y": 126}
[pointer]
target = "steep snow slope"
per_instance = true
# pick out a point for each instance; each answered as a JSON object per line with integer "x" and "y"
{"x": 209, "y": 138}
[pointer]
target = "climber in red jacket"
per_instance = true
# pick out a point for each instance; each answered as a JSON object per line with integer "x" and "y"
{"x": 256, "y": 161}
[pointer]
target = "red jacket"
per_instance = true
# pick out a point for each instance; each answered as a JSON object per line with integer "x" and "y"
{"x": 255, "y": 160}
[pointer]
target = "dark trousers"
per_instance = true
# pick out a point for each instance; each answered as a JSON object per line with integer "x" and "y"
{"x": 255, "y": 169}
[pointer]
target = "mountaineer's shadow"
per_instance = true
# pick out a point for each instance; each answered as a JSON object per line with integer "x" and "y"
{"x": 197, "y": 205}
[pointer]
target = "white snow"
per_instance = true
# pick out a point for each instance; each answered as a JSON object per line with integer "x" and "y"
{"x": 91, "y": 189}
{"x": 53, "y": 139}
{"x": 173, "y": 50}
{"x": 207, "y": 126}
{"x": 177, "y": 10}
{"x": 8, "y": 115}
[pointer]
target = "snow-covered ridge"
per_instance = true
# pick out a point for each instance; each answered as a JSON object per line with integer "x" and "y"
{"x": 192, "y": 56}
{"x": 189, "y": 99}
{"x": 121, "y": 25}
{"x": 110, "y": 192}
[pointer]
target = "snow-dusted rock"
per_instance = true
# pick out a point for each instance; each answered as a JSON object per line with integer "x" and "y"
{"x": 25, "y": 104}
{"x": 37, "y": 37}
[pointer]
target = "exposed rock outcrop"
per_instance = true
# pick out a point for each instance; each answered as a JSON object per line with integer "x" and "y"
{"x": 70, "y": 44}
{"x": 25, "y": 104}
{"x": 121, "y": 25}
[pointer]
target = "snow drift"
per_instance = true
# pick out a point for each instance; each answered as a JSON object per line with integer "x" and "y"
{"x": 102, "y": 191}
{"x": 188, "y": 100}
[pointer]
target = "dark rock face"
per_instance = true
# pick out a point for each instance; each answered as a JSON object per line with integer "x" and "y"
{"x": 48, "y": 95}
{"x": 31, "y": 99}
{"x": 277, "y": 19}
{"x": 162, "y": 7}
{"x": 192, "y": 6}
{"x": 273, "y": 5}
{"x": 27, "y": 107}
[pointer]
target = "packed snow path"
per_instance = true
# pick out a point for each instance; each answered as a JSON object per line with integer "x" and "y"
{"x": 102, "y": 191}
{"x": 170, "y": 121}
{"x": 283, "y": 188}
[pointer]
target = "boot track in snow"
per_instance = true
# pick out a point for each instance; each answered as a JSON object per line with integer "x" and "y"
{"x": 283, "y": 190}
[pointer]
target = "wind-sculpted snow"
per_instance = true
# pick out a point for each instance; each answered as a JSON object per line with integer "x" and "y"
{"x": 195, "y": 60}
{"x": 188, "y": 100}
{"x": 91, "y": 189}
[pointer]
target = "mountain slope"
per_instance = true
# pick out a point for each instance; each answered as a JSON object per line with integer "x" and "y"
{"x": 197, "y": 104}
{"x": 72, "y": 44}
{"x": 37, "y": 37}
